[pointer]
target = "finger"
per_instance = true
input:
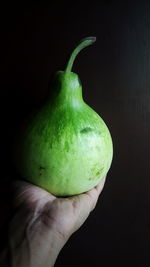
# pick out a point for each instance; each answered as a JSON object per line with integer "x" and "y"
{"x": 99, "y": 187}
{"x": 85, "y": 203}
{"x": 96, "y": 191}
{"x": 19, "y": 189}
{"x": 27, "y": 193}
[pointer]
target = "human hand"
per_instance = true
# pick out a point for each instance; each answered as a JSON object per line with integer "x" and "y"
{"x": 63, "y": 215}
{"x": 42, "y": 223}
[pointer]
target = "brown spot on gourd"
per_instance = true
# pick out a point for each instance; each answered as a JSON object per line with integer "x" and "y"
{"x": 42, "y": 168}
{"x": 99, "y": 172}
{"x": 93, "y": 178}
{"x": 96, "y": 172}
{"x": 95, "y": 168}
{"x": 86, "y": 130}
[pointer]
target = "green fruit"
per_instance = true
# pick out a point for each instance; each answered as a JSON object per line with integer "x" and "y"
{"x": 65, "y": 148}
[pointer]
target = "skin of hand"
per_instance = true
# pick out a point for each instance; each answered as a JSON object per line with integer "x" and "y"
{"x": 42, "y": 223}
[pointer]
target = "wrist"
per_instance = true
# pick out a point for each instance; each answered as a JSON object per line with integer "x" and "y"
{"x": 36, "y": 245}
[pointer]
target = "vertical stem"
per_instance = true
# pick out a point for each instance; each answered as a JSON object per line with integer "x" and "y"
{"x": 83, "y": 43}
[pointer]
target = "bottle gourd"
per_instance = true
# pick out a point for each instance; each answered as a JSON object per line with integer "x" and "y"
{"x": 65, "y": 147}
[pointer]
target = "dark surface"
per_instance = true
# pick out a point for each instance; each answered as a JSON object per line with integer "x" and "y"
{"x": 115, "y": 74}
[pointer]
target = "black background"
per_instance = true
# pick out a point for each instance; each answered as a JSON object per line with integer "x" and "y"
{"x": 115, "y": 73}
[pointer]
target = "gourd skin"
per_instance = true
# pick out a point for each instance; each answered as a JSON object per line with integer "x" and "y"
{"x": 65, "y": 148}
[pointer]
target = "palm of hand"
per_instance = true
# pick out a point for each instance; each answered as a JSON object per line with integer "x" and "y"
{"x": 63, "y": 215}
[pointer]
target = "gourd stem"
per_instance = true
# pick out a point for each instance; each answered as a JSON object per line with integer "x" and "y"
{"x": 83, "y": 43}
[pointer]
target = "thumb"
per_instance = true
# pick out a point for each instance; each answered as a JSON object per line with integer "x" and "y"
{"x": 90, "y": 197}
{"x": 84, "y": 203}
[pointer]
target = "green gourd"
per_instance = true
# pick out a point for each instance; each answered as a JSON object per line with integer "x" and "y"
{"x": 65, "y": 147}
